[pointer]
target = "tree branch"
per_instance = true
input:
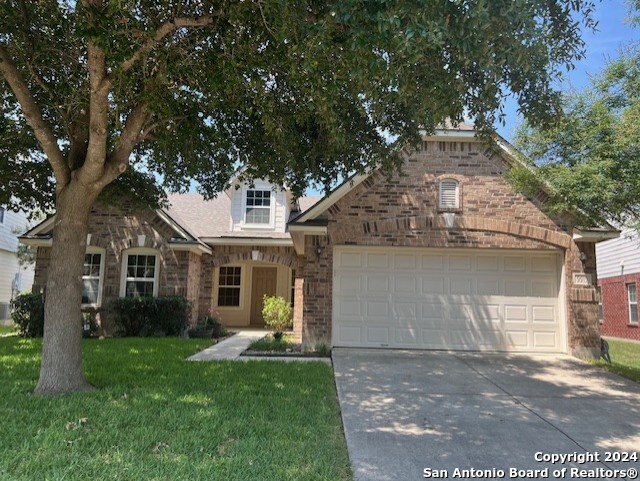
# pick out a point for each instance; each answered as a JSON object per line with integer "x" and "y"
{"x": 164, "y": 30}
{"x": 118, "y": 159}
{"x": 32, "y": 113}
{"x": 93, "y": 167}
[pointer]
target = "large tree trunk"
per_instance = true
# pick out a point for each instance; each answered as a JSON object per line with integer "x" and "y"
{"x": 61, "y": 368}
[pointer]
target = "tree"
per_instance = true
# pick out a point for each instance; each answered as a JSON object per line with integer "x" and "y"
{"x": 591, "y": 156}
{"x": 99, "y": 95}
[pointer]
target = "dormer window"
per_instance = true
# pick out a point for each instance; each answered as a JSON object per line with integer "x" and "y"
{"x": 258, "y": 209}
{"x": 449, "y": 194}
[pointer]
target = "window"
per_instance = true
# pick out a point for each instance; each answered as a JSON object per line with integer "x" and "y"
{"x": 141, "y": 275}
{"x": 448, "y": 197}
{"x": 91, "y": 279}
{"x": 258, "y": 209}
{"x": 293, "y": 287}
{"x": 229, "y": 286}
{"x": 2, "y": 210}
{"x": 633, "y": 303}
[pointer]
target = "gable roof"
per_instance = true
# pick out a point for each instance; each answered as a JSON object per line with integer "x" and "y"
{"x": 310, "y": 220}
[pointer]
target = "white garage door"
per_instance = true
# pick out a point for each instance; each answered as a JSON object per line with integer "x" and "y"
{"x": 447, "y": 299}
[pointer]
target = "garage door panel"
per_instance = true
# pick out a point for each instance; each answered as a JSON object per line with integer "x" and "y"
{"x": 377, "y": 261}
{"x": 487, "y": 263}
{"x": 404, "y": 261}
{"x": 350, "y": 259}
{"x": 515, "y": 264}
{"x": 433, "y": 263}
{"x": 350, "y": 282}
{"x": 517, "y": 339}
{"x": 377, "y": 309}
{"x": 459, "y": 262}
{"x": 405, "y": 285}
{"x": 439, "y": 299}
{"x": 543, "y": 314}
{"x": 435, "y": 311}
{"x": 432, "y": 285}
{"x": 406, "y": 336}
{"x": 545, "y": 340}
{"x": 542, "y": 288}
{"x": 489, "y": 287}
{"x": 377, "y": 283}
{"x": 436, "y": 338}
{"x": 378, "y": 335}
{"x": 349, "y": 308}
{"x": 515, "y": 287}
{"x": 349, "y": 335}
{"x": 515, "y": 313}
{"x": 460, "y": 286}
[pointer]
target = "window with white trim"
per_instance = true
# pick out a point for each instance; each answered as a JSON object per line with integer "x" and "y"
{"x": 258, "y": 207}
{"x": 141, "y": 275}
{"x": 448, "y": 194}
{"x": 2, "y": 211}
{"x": 92, "y": 278}
{"x": 633, "y": 303}
{"x": 229, "y": 281}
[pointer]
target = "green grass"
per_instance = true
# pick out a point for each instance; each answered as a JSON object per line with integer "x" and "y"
{"x": 625, "y": 359}
{"x": 158, "y": 417}
{"x": 7, "y": 330}
{"x": 269, "y": 343}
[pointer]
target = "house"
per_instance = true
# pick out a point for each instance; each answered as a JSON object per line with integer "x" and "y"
{"x": 444, "y": 256}
{"x": 619, "y": 278}
{"x": 13, "y": 277}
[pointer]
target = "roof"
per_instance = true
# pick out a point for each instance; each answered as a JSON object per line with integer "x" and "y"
{"x": 211, "y": 218}
{"x": 205, "y": 218}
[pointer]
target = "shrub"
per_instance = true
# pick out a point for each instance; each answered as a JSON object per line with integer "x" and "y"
{"x": 277, "y": 314}
{"x": 27, "y": 312}
{"x": 144, "y": 316}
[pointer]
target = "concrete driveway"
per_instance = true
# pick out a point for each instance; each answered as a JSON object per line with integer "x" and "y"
{"x": 404, "y": 411}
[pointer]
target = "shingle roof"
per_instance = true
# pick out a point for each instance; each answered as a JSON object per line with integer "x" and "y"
{"x": 212, "y": 218}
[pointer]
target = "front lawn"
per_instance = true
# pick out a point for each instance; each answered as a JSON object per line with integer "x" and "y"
{"x": 625, "y": 359}
{"x": 158, "y": 417}
{"x": 7, "y": 330}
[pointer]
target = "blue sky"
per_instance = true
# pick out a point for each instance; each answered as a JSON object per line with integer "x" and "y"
{"x": 612, "y": 33}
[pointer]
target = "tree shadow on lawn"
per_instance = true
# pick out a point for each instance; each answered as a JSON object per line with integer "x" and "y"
{"x": 157, "y": 416}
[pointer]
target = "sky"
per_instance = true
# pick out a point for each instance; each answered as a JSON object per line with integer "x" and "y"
{"x": 602, "y": 45}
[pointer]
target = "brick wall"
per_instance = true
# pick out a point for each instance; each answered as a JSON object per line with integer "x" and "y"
{"x": 404, "y": 211}
{"x": 117, "y": 229}
{"x": 615, "y": 307}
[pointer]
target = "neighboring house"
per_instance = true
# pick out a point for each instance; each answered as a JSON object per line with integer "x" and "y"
{"x": 13, "y": 277}
{"x": 619, "y": 280}
{"x": 445, "y": 256}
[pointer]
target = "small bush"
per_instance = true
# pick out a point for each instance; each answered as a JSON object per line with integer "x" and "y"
{"x": 144, "y": 316}
{"x": 27, "y": 312}
{"x": 277, "y": 314}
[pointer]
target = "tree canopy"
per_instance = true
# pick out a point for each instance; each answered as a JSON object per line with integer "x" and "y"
{"x": 304, "y": 91}
{"x": 590, "y": 157}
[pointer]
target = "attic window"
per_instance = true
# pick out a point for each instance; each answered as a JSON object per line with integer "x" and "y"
{"x": 258, "y": 210}
{"x": 449, "y": 194}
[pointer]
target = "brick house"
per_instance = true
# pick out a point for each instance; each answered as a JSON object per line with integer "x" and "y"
{"x": 444, "y": 256}
{"x": 618, "y": 278}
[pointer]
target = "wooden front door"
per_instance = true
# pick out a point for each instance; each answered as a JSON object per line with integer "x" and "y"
{"x": 263, "y": 282}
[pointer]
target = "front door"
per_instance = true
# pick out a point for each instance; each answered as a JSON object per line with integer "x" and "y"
{"x": 264, "y": 280}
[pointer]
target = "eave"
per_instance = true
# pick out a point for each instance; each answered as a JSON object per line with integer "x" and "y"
{"x": 36, "y": 241}
{"x": 594, "y": 235}
{"x": 247, "y": 241}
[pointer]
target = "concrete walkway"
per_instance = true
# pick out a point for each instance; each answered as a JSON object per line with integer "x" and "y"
{"x": 407, "y": 411}
{"x": 232, "y": 348}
